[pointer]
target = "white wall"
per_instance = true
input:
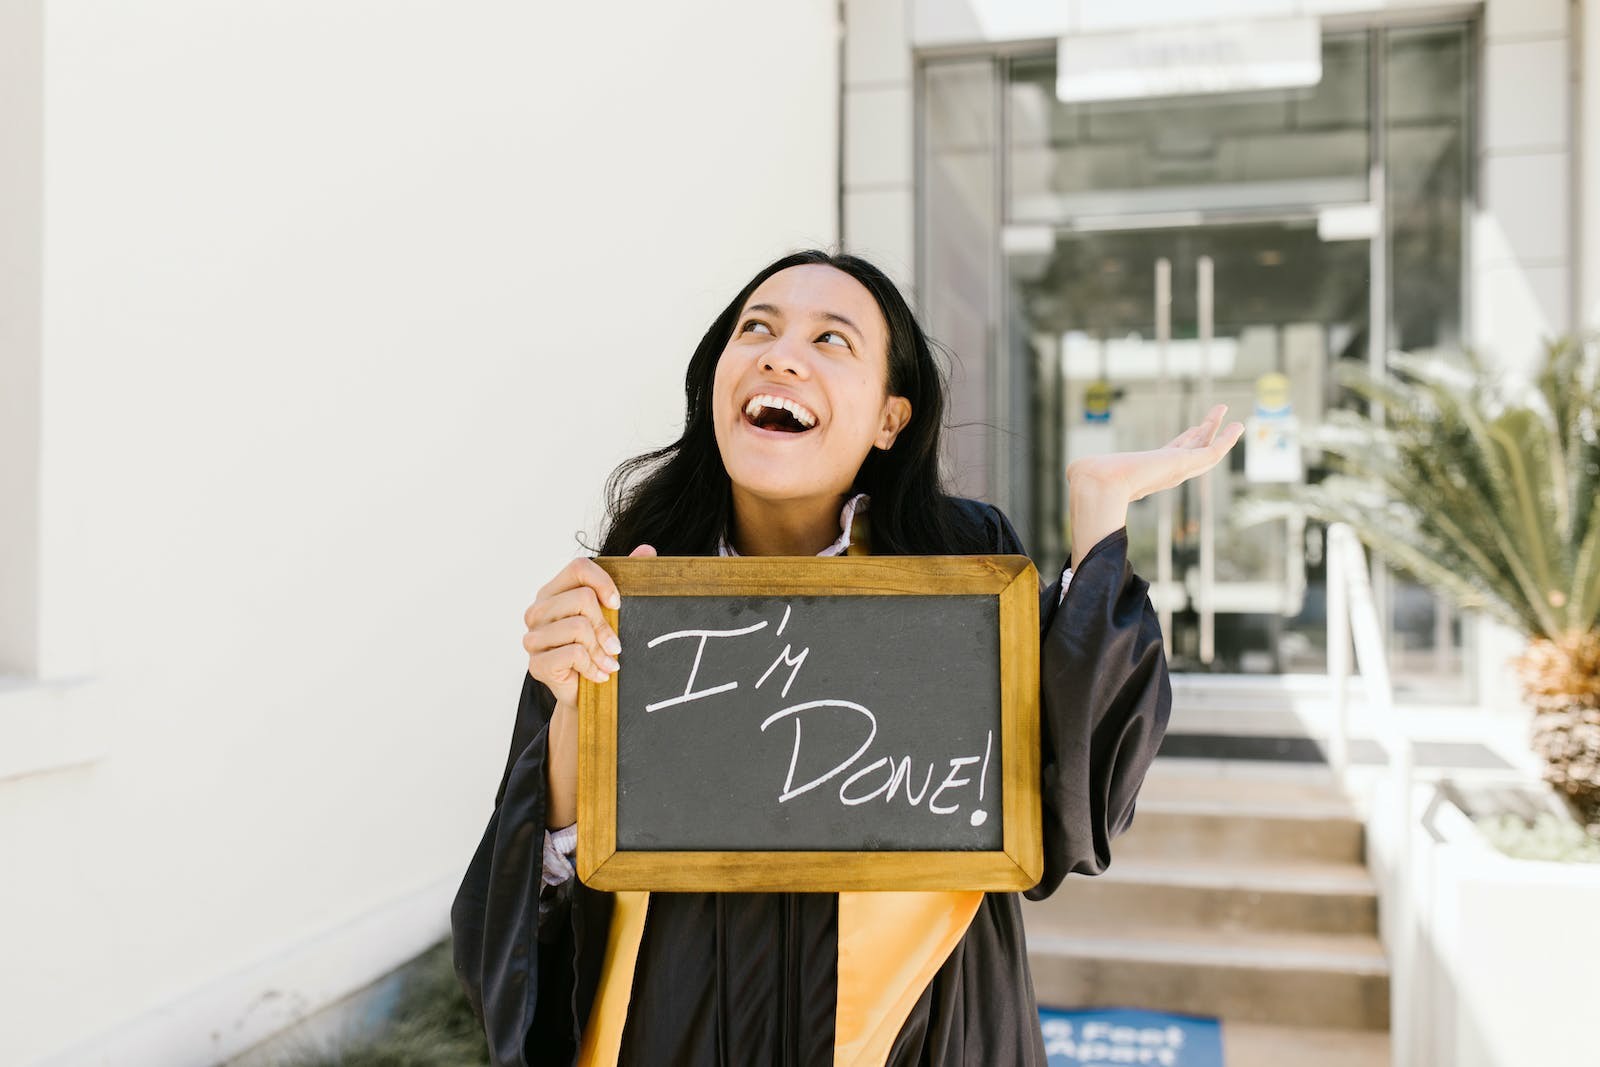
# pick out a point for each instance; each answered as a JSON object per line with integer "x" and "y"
{"x": 1523, "y": 235}
{"x": 347, "y": 309}
{"x": 21, "y": 162}
{"x": 879, "y": 159}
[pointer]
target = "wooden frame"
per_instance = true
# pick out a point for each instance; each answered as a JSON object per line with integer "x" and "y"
{"x": 1017, "y": 866}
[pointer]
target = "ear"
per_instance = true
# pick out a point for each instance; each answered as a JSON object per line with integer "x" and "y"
{"x": 896, "y": 413}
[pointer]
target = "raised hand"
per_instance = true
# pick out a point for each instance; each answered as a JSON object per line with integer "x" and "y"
{"x": 1135, "y": 475}
{"x": 1100, "y": 488}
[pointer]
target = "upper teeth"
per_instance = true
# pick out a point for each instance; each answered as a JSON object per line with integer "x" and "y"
{"x": 793, "y": 407}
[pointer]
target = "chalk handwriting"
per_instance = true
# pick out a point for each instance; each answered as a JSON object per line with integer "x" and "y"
{"x": 789, "y": 791}
{"x": 689, "y": 691}
{"x": 783, "y": 657}
{"x": 883, "y": 777}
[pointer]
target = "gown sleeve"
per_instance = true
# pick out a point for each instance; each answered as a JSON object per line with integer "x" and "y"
{"x": 1104, "y": 700}
{"x": 511, "y": 935}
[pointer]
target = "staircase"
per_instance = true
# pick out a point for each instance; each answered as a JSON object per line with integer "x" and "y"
{"x": 1236, "y": 896}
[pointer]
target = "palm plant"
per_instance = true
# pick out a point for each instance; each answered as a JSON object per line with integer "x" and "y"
{"x": 1488, "y": 493}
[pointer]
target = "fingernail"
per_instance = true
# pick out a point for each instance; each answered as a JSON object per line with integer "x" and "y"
{"x": 612, "y": 645}
{"x": 613, "y": 601}
{"x": 609, "y": 664}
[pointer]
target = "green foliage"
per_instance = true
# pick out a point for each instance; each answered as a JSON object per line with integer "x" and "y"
{"x": 1546, "y": 838}
{"x": 1484, "y": 491}
{"x": 432, "y": 1026}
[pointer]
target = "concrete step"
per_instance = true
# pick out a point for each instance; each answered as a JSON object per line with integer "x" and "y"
{"x": 1180, "y": 816}
{"x": 1335, "y": 981}
{"x": 1261, "y": 1045}
{"x": 1286, "y": 895}
{"x": 1200, "y": 830}
{"x": 1281, "y": 785}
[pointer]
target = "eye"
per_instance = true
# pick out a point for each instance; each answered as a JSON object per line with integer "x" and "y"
{"x": 840, "y": 336}
{"x": 753, "y": 322}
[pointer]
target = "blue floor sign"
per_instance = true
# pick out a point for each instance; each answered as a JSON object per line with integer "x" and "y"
{"x": 1130, "y": 1035}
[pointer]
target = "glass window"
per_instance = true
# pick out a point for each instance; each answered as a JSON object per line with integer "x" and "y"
{"x": 1426, "y": 147}
{"x": 1238, "y": 150}
{"x": 1426, "y": 144}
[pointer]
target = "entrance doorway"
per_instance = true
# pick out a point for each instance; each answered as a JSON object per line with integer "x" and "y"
{"x": 1280, "y": 300}
{"x": 1040, "y": 227}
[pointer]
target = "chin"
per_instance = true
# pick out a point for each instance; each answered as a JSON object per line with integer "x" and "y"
{"x": 774, "y": 477}
{"x": 773, "y": 485}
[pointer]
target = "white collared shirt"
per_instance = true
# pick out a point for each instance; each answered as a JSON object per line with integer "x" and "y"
{"x": 847, "y": 516}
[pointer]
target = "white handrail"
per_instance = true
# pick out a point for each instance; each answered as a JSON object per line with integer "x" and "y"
{"x": 1351, "y": 613}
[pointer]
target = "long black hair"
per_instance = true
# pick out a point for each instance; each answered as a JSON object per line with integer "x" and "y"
{"x": 679, "y": 498}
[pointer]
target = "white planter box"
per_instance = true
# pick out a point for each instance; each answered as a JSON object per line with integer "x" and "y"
{"x": 1507, "y": 950}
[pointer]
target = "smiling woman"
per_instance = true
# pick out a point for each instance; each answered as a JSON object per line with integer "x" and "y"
{"x": 829, "y": 337}
{"x": 811, "y": 357}
{"x": 813, "y": 396}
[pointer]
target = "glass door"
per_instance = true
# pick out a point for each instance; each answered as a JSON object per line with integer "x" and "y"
{"x": 1284, "y": 304}
{"x": 1040, "y": 226}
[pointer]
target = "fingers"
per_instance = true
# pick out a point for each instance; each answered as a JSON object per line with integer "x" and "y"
{"x": 1186, "y": 439}
{"x": 579, "y": 601}
{"x": 1229, "y": 437}
{"x": 583, "y": 571}
{"x": 580, "y": 572}
{"x": 1208, "y": 456}
{"x": 1202, "y": 434}
{"x": 565, "y": 664}
{"x": 549, "y": 619}
{"x": 1220, "y": 442}
{"x": 1207, "y": 430}
{"x": 568, "y": 635}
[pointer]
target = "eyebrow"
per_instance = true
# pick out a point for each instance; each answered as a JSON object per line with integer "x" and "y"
{"x": 830, "y": 316}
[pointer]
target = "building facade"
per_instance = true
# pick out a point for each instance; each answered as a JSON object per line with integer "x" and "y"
{"x": 1115, "y": 214}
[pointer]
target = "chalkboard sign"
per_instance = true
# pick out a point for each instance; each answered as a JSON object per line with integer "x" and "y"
{"x": 815, "y": 723}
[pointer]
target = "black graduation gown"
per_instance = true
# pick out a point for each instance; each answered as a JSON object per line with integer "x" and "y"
{"x": 742, "y": 979}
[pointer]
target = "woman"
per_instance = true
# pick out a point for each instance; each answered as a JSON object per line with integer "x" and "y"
{"x": 813, "y": 401}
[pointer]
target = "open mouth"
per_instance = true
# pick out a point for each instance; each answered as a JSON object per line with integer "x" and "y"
{"x": 767, "y": 412}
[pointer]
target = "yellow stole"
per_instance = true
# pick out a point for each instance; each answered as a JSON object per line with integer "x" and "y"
{"x": 891, "y": 944}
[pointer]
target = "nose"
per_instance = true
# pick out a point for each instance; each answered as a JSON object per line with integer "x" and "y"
{"x": 787, "y": 355}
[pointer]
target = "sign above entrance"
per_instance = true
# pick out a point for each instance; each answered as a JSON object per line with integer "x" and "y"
{"x": 1206, "y": 57}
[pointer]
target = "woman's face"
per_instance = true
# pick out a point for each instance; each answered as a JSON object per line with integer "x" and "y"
{"x": 800, "y": 394}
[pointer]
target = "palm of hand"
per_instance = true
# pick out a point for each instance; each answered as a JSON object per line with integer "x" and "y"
{"x": 1138, "y": 474}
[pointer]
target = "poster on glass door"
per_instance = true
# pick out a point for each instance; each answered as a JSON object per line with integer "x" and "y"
{"x": 1272, "y": 435}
